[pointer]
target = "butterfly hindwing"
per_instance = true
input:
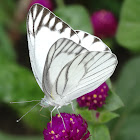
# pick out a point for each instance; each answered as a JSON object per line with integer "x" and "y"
{"x": 43, "y": 30}
{"x": 85, "y": 73}
{"x": 60, "y": 54}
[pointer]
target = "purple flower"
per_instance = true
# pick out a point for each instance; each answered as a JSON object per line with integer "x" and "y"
{"x": 76, "y": 128}
{"x": 94, "y": 99}
{"x": 104, "y": 23}
{"x": 46, "y": 3}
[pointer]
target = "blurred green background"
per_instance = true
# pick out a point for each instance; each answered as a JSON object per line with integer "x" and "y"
{"x": 17, "y": 82}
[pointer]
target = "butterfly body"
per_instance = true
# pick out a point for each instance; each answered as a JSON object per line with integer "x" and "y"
{"x": 66, "y": 63}
{"x": 46, "y": 102}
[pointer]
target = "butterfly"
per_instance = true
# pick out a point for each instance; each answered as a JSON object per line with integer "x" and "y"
{"x": 66, "y": 63}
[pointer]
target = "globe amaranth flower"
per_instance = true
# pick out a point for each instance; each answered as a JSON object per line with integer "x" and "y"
{"x": 46, "y": 3}
{"x": 94, "y": 99}
{"x": 104, "y": 23}
{"x": 75, "y": 128}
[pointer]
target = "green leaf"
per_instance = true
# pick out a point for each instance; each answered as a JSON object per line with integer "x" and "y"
{"x": 127, "y": 85}
{"x": 4, "y": 136}
{"x": 129, "y": 27}
{"x": 99, "y": 132}
{"x": 108, "y": 82}
{"x": 86, "y": 114}
{"x": 106, "y": 116}
{"x": 76, "y": 16}
{"x": 90, "y": 115}
{"x": 126, "y": 127}
{"x": 113, "y": 102}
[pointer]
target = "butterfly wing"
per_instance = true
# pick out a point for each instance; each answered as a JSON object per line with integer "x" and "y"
{"x": 43, "y": 29}
{"x": 91, "y": 42}
{"x": 84, "y": 73}
{"x": 60, "y": 54}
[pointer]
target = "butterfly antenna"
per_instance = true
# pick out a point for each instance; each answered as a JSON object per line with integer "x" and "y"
{"x": 51, "y": 114}
{"x": 61, "y": 118}
{"x": 28, "y": 112}
{"x": 24, "y": 102}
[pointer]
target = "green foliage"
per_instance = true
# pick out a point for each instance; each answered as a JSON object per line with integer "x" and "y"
{"x": 129, "y": 26}
{"x": 6, "y": 12}
{"x": 9, "y": 137}
{"x": 86, "y": 114}
{"x": 113, "y": 102}
{"x": 6, "y": 47}
{"x": 76, "y": 16}
{"x": 107, "y": 116}
{"x": 90, "y": 115}
{"x": 126, "y": 127}
{"x": 127, "y": 85}
{"x": 18, "y": 84}
{"x": 99, "y": 132}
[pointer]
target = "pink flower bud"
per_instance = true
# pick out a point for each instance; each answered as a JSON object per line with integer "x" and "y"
{"x": 46, "y": 3}
{"x": 104, "y": 24}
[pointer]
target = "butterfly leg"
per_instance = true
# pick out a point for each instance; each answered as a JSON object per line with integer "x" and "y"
{"x": 42, "y": 114}
{"x": 41, "y": 109}
{"x": 61, "y": 117}
{"x": 51, "y": 114}
{"x": 72, "y": 107}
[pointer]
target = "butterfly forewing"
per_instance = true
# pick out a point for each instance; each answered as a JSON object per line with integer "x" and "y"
{"x": 43, "y": 30}
{"x": 91, "y": 43}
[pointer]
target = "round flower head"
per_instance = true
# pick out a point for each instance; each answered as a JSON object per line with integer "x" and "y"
{"x": 94, "y": 99}
{"x": 104, "y": 24}
{"x": 75, "y": 128}
{"x": 46, "y": 3}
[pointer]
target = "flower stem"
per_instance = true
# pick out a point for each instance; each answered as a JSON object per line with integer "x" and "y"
{"x": 60, "y": 3}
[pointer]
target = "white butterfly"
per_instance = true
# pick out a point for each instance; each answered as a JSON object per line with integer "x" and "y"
{"x": 66, "y": 63}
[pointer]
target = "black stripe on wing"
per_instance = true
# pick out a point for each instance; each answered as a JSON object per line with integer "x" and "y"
{"x": 39, "y": 16}
{"x": 69, "y": 71}
{"x": 98, "y": 74}
{"x": 98, "y": 66}
{"x": 92, "y": 40}
{"x": 61, "y": 46}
